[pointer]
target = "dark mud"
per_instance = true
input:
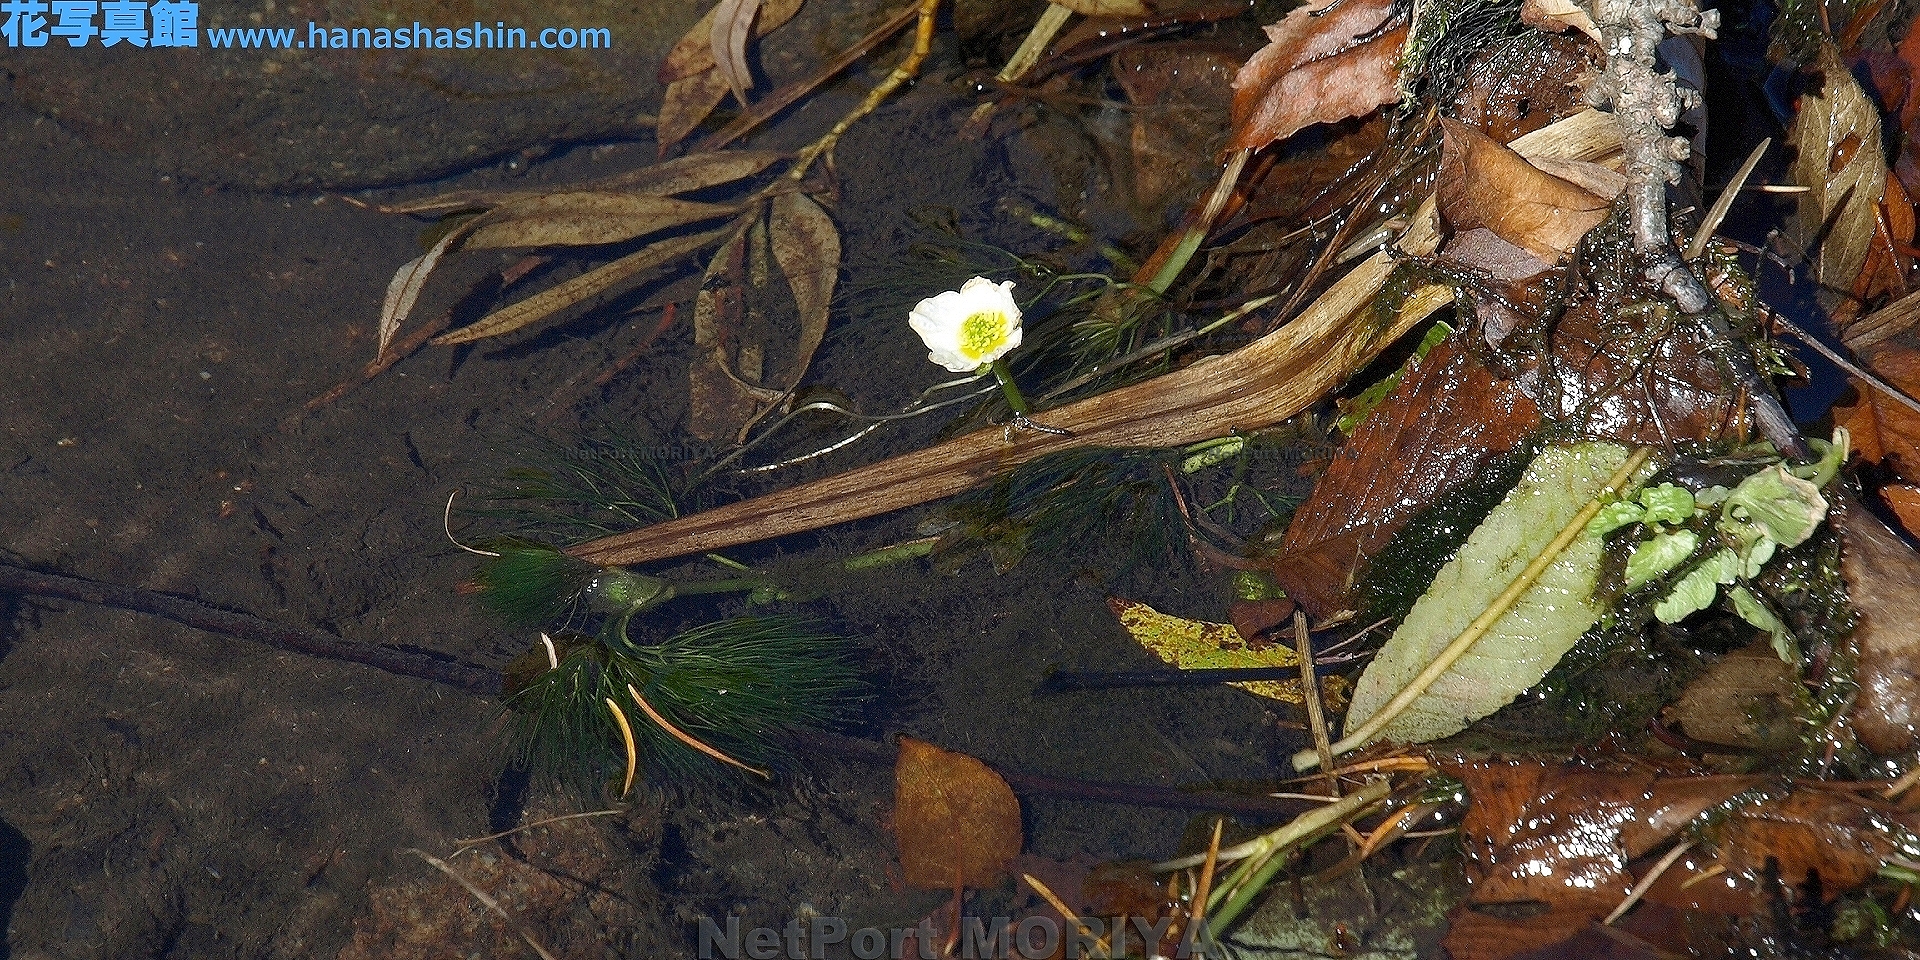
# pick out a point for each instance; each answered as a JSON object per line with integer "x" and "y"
{"x": 169, "y": 793}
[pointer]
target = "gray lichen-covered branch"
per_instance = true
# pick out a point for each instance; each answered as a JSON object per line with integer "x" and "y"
{"x": 1647, "y": 103}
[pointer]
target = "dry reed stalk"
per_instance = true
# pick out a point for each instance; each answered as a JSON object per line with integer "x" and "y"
{"x": 1258, "y": 385}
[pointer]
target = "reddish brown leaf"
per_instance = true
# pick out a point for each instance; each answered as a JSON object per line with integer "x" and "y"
{"x": 956, "y": 820}
{"x": 1748, "y": 701}
{"x": 1484, "y": 184}
{"x": 1883, "y": 582}
{"x": 1442, "y": 425}
{"x": 1557, "y": 838}
{"x": 1318, "y": 69}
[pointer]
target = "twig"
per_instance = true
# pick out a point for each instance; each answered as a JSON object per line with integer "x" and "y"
{"x": 884, "y": 755}
{"x": 1718, "y": 211}
{"x": 1847, "y": 365}
{"x": 1646, "y": 883}
{"x": 244, "y": 626}
{"x": 476, "y": 841}
{"x": 1645, "y": 103}
{"x": 1310, "y": 696}
{"x": 786, "y": 96}
{"x": 481, "y": 895}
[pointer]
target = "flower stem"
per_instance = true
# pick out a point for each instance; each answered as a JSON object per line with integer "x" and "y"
{"x": 1014, "y": 398}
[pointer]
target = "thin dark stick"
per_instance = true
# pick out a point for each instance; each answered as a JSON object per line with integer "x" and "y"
{"x": 1064, "y": 681}
{"x": 245, "y": 626}
{"x": 884, "y": 754}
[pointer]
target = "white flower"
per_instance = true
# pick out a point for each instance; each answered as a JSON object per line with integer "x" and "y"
{"x": 967, "y": 329}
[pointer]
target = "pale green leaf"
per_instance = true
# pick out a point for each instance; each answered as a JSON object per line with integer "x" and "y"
{"x": 1653, "y": 558}
{"x": 1775, "y": 505}
{"x": 1695, "y": 591}
{"x": 1754, "y": 612}
{"x": 1667, "y": 503}
{"x": 1532, "y": 636}
{"x": 1613, "y": 516}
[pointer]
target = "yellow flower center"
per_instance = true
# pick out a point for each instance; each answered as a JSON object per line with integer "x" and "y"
{"x": 981, "y": 332}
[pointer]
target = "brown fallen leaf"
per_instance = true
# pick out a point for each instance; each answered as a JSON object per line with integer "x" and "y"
{"x": 586, "y": 218}
{"x": 732, "y": 26}
{"x": 1318, "y": 69}
{"x": 698, "y": 171}
{"x": 1883, "y": 582}
{"x": 957, "y": 822}
{"x": 806, "y": 245}
{"x": 1446, "y": 421}
{"x": 1553, "y": 847}
{"x": 1748, "y": 700}
{"x": 404, "y": 290}
{"x": 688, "y": 101}
{"x": 723, "y": 379}
{"x": 1839, "y": 158}
{"x": 693, "y": 53}
{"x": 1483, "y": 183}
{"x": 546, "y": 303}
{"x": 1558, "y": 15}
{"x": 1549, "y": 843}
{"x": 1181, "y": 94}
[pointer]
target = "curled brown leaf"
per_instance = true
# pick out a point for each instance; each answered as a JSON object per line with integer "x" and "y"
{"x": 1485, "y": 184}
{"x": 1318, "y": 69}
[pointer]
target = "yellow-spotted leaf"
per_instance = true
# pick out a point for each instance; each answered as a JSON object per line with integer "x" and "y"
{"x": 1200, "y": 645}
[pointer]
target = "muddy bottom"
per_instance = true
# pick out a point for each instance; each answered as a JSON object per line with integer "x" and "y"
{"x": 166, "y": 792}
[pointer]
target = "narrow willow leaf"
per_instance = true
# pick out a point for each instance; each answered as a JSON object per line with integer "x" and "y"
{"x": 689, "y": 101}
{"x": 806, "y": 245}
{"x": 698, "y": 171}
{"x": 404, "y": 289}
{"x": 693, "y": 53}
{"x": 732, "y": 26}
{"x": 586, "y": 218}
{"x": 590, "y": 284}
{"x": 1535, "y": 632}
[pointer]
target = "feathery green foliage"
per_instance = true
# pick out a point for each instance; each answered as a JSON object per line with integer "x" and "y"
{"x": 733, "y": 685}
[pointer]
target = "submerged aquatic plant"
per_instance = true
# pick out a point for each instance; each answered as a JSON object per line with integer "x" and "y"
{"x": 724, "y": 691}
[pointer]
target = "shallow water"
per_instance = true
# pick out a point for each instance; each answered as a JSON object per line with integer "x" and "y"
{"x": 166, "y": 792}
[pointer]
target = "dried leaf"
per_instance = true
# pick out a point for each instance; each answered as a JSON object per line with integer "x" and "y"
{"x": 1883, "y": 583}
{"x": 1839, "y": 158}
{"x": 1196, "y": 644}
{"x": 1447, "y": 420}
{"x": 732, "y": 25}
{"x": 1107, "y": 8}
{"x": 693, "y": 53}
{"x": 590, "y": 284}
{"x": 698, "y": 171}
{"x": 1534, "y": 633}
{"x": 719, "y": 401}
{"x": 806, "y": 245}
{"x": 1747, "y": 701}
{"x": 1318, "y": 69}
{"x": 404, "y": 289}
{"x": 688, "y": 102}
{"x": 586, "y": 218}
{"x": 1559, "y": 837}
{"x": 957, "y": 822}
{"x": 1484, "y": 184}
{"x": 1558, "y": 15}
